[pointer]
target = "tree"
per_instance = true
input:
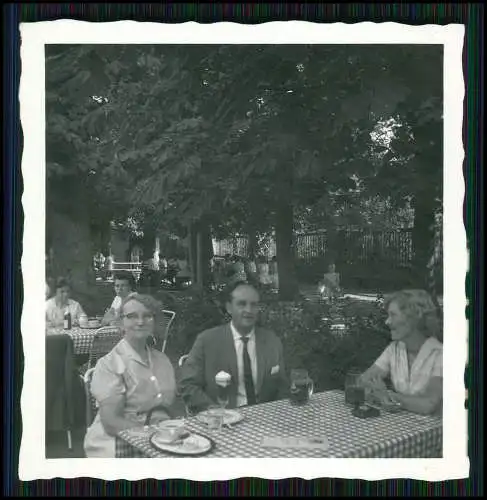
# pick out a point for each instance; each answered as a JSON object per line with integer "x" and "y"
{"x": 191, "y": 135}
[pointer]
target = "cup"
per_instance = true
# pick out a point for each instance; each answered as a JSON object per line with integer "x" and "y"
{"x": 301, "y": 387}
{"x": 171, "y": 430}
{"x": 354, "y": 392}
{"x": 214, "y": 419}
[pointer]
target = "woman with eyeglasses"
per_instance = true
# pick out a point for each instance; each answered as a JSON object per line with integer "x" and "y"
{"x": 134, "y": 384}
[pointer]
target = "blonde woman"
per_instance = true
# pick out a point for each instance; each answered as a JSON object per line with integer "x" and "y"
{"x": 133, "y": 382}
{"x": 414, "y": 359}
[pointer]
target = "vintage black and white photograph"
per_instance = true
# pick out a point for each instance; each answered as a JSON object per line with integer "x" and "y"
{"x": 244, "y": 250}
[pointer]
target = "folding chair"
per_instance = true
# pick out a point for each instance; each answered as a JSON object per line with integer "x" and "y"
{"x": 170, "y": 315}
{"x": 168, "y": 319}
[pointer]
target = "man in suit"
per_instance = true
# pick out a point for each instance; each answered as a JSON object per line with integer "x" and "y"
{"x": 253, "y": 356}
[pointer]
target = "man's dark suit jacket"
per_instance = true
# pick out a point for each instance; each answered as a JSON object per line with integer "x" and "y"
{"x": 214, "y": 351}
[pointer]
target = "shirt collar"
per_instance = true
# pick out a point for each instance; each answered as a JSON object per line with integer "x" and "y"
{"x": 237, "y": 335}
{"x": 131, "y": 353}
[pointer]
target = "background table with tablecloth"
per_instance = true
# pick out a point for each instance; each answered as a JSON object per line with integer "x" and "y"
{"x": 82, "y": 337}
{"x": 398, "y": 435}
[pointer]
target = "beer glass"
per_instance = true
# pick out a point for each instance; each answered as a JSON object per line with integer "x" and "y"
{"x": 354, "y": 392}
{"x": 301, "y": 387}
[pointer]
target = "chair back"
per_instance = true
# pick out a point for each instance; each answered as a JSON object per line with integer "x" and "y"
{"x": 159, "y": 342}
{"x": 104, "y": 340}
{"x": 91, "y": 407}
{"x": 182, "y": 359}
{"x": 169, "y": 318}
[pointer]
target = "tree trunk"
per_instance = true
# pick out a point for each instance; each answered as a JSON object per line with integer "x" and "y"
{"x": 252, "y": 249}
{"x": 70, "y": 240}
{"x": 199, "y": 253}
{"x": 192, "y": 251}
{"x": 288, "y": 284}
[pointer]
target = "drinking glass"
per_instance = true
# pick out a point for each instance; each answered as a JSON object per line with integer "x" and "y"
{"x": 223, "y": 395}
{"x": 214, "y": 418}
{"x": 301, "y": 387}
{"x": 354, "y": 392}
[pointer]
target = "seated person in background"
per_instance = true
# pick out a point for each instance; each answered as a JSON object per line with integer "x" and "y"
{"x": 251, "y": 355}
{"x": 274, "y": 273}
{"x": 134, "y": 383}
{"x": 124, "y": 285}
{"x": 250, "y": 269}
{"x": 414, "y": 358}
{"x": 60, "y": 303}
{"x": 263, "y": 272}
{"x": 238, "y": 271}
{"x": 329, "y": 286}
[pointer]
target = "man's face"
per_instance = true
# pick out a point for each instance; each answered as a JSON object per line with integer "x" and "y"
{"x": 244, "y": 308}
{"x": 122, "y": 288}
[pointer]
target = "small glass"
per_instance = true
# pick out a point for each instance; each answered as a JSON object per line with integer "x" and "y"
{"x": 214, "y": 419}
{"x": 223, "y": 395}
{"x": 302, "y": 387}
{"x": 354, "y": 392}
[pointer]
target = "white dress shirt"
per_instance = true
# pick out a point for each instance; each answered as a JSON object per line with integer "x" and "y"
{"x": 55, "y": 313}
{"x": 116, "y": 304}
{"x": 239, "y": 347}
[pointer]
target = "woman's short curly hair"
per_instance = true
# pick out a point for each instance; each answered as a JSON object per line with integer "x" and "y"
{"x": 419, "y": 307}
{"x": 153, "y": 305}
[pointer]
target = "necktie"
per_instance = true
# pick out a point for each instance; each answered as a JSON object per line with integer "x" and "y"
{"x": 248, "y": 380}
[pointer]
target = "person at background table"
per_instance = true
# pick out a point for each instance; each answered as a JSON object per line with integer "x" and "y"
{"x": 250, "y": 269}
{"x": 263, "y": 272}
{"x": 237, "y": 271}
{"x": 329, "y": 286}
{"x": 133, "y": 381}
{"x": 273, "y": 271}
{"x": 224, "y": 348}
{"x": 414, "y": 359}
{"x": 124, "y": 285}
{"x": 57, "y": 306}
{"x": 163, "y": 266}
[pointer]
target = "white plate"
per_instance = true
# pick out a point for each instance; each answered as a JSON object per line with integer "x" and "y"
{"x": 194, "y": 444}
{"x": 230, "y": 417}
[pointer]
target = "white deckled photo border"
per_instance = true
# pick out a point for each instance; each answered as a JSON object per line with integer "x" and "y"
{"x": 34, "y": 36}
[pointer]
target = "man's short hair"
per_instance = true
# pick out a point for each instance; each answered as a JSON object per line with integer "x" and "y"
{"x": 233, "y": 286}
{"x": 125, "y": 276}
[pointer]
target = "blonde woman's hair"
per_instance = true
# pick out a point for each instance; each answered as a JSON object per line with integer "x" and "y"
{"x": 419, "y": 307}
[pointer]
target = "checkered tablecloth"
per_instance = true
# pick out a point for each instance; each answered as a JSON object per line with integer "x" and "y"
{"x": 82, "y": 337}
{"x": 399, "y": 435}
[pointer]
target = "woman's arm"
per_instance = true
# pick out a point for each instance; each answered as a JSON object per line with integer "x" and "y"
{"x": 426, "y": 403}
{"x": 111, "y": 415}
{"x": 108, "y": 317}
{"x": 373, "y": 377}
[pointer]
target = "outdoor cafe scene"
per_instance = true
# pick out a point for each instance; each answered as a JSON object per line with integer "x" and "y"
{"x": 257, "y": 271}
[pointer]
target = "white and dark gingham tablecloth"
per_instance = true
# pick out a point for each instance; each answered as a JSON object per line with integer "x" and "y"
{"x": 399, "y": 435}
{"x": 82, "y": 337}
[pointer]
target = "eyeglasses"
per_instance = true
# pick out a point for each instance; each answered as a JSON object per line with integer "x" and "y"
{"x": 134, "y": 317}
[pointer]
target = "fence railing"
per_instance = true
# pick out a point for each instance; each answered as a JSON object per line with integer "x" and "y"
{"x": 349, "y": 246}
